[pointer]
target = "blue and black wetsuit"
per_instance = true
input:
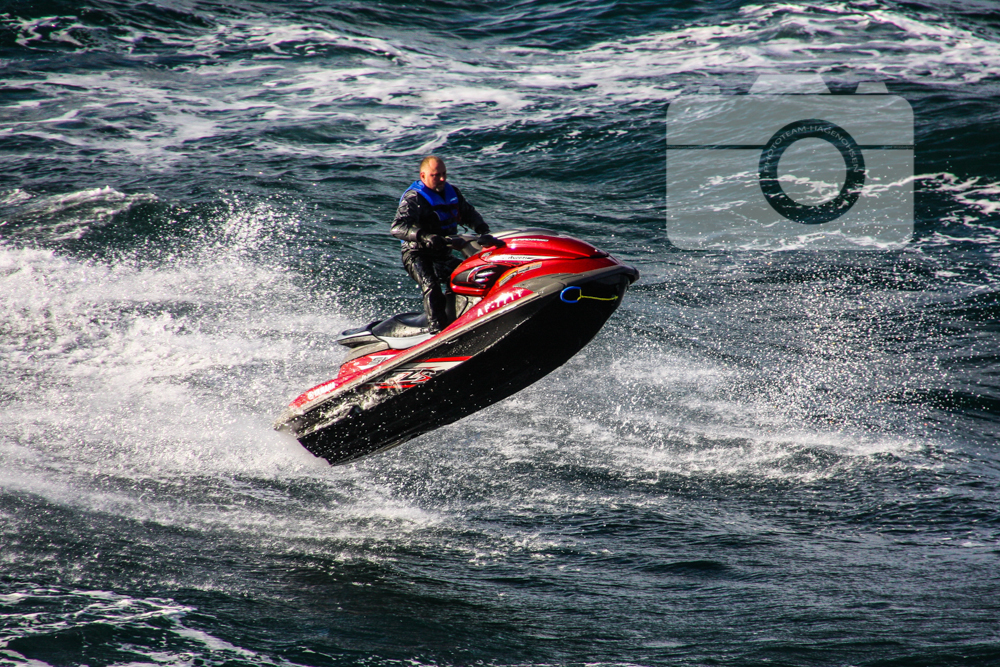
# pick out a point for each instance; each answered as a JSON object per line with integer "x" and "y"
{"x": 423, "y": 212}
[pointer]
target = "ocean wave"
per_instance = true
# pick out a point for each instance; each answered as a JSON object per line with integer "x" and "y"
{"x": 196, "y": 202}
{"x": 56, "y": 622}
{"x": 110, "y": 339}
{"x": 398, "y": 88}
{"x": 54, "y": 218}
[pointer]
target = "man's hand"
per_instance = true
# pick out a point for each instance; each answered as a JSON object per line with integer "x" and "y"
{"x": 433, "y": 242}
{"x": 488, "y": 241}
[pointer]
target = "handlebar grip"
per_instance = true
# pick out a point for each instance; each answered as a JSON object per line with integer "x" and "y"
{"x": 464, "y": 244}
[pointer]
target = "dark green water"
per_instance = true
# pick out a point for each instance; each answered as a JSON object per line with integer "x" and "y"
{"x": 781, "y": 458}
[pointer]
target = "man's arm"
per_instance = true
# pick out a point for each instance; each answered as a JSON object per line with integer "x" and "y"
{"x": 470, "y": 216}
{"x": 406, "y": 224}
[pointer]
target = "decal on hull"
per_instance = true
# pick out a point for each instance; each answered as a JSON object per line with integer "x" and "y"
{"x": 410, "y": 375}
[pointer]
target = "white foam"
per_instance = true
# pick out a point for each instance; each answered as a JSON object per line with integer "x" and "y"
{"x": 67, "y": 216}
{"x": 14, "y": 197}
{"x": 816, "y": 38}
{"x": 112, "y": 346}
{"x": 65, "y": 610}
{"x": 653, "y": 413}
{"x": 120, "y": 375}
{"x": 399, "y": 90}
{"x": 979, "y": 201}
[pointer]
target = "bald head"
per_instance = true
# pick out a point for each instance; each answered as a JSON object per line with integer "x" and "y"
{"x": 433, "y": 173}
{"x": 430, "y": 159}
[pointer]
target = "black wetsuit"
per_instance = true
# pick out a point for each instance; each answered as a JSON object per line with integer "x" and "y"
{"x": 416, "y": 218}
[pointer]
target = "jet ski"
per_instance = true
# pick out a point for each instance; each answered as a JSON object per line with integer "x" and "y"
{"x": 522, "y": 309}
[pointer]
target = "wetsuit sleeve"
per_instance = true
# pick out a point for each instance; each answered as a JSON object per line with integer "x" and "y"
{"x": 406, "y": 224}
{"x": 470, "y": 216}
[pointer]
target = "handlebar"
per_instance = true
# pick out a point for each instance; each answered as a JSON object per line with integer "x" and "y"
{"x": 467, "y": 244}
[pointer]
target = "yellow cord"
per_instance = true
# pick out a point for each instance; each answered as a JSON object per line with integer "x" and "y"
{"x": 579, "y": 291}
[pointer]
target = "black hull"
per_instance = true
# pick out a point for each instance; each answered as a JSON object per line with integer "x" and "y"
{"x": 507, "y": 354}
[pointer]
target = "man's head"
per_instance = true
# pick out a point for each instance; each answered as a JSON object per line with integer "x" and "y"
{"x": 433, "y": 173}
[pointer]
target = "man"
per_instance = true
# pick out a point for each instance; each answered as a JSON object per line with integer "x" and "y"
{"x": 429, "y": 210}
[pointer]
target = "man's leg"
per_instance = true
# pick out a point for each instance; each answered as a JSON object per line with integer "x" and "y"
{"x": 422, "y": 270}
{"x": 443, "y": 268}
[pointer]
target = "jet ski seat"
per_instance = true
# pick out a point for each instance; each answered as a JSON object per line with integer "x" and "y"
{"x": 401, "y": 326}
{"x": 399, "y": 332}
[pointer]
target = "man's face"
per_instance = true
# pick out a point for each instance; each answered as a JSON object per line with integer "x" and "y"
{"x": 434, "y": 175}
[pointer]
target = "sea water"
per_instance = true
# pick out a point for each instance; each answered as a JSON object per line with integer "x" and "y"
{"x": 763, "y": 458}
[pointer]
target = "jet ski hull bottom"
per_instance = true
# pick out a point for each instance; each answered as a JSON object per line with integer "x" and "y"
{"x": 460, "y": 375}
